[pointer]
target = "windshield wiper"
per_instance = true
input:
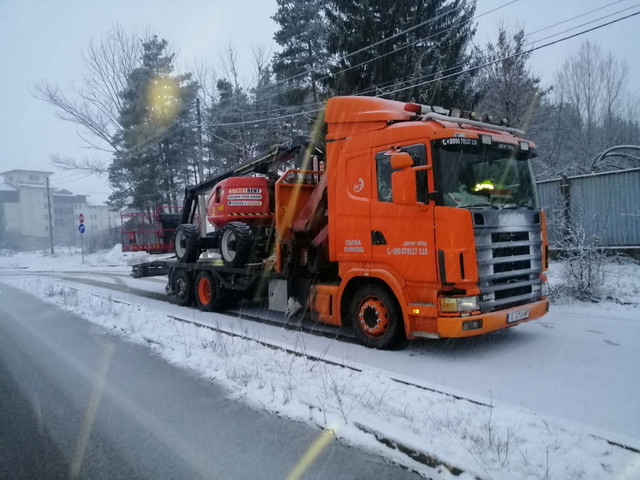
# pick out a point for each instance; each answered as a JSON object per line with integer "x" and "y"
{"x": 513, "y": 206}
{"x": 478, "y": 205}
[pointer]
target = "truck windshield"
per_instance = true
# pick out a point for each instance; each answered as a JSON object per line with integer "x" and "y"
{"x": 473, "y": 175}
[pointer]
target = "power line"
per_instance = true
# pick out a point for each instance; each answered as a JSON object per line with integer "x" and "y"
{"x": 471, "y": 69}
{"x": 368, "y": 47}
{"x": 577, "y": 16}
{"x": 459, "y": 65}
{"x": 525, "y": 52}
{"x": 396, "y": 80}
{"x": 423, "y": 39}
{"x": 476, "y": 67}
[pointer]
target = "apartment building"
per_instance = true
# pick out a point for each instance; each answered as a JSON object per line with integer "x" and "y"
{"x": 24, "y": 212}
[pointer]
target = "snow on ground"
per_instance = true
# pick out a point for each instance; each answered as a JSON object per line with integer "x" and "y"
{"x": 70, "y": 259}
{"x": 497, "y": 441}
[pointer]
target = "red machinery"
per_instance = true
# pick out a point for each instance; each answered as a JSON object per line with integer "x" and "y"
{"x": 150, "y": 232}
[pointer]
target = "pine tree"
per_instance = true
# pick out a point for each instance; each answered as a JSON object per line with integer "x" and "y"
{"x": 303, "y": 59}
{"x": 265, "y": 105}
{"x": 230, "y": 139}
{"x": 506, "y": 87}
{"x": 423, "y": 64}
{"x": 157, "y": 139}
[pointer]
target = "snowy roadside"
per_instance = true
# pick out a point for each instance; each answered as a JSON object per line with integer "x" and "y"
{"x": 437, "y": 435}
{"x": 70, "y": 259}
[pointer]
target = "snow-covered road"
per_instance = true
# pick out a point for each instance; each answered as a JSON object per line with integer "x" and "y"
{"x": 580, "y": 363}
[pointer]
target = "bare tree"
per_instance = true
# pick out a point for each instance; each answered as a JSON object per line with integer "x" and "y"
{"x": 94, "y": 105}
{"x": 229, "y": 61}
{"x": 261, "y": 61}
{"x": 593, "y": 84}
{"x": 207, "y": 78}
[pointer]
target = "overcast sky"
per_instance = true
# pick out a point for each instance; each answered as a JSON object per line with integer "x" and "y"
{"x": 43, "y": 40}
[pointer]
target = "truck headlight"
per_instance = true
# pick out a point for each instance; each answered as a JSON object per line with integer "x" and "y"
{"x": 544, "y": 289}
{"x": 459, "y": 304}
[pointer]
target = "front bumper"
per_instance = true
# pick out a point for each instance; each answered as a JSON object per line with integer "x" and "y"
{"x": 451, "y": 327}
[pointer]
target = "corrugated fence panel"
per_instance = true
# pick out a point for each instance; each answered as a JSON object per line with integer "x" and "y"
{"x": 606, "y": 206}
{"x": 550, "y": 200}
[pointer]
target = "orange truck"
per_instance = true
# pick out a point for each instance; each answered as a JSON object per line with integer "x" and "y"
{"x": 419, "y": 222}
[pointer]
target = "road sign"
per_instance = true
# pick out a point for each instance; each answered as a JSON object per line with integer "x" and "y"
{"x": 81, "y": 228}
{"x": 81, "y": 218}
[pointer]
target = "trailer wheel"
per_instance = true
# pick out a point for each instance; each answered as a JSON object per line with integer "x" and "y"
{"x": 182, "y": 287}
{"x": 187, "y": 243}
{"x": 376, "y": 317}
{"x": 235, "y": 244}
{"x": 209, "y": 293}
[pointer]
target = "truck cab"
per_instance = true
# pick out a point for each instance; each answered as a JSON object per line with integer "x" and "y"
{"x": 433, "y": 222}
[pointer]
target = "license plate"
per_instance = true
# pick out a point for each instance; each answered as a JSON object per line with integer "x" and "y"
{"x": 517, "y": 316}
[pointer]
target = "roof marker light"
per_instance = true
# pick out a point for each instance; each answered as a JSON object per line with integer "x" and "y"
{"x": 485, "y": 139}
{"x": 413, "y": 107}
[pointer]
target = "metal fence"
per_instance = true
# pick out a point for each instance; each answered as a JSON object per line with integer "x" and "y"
{"x": 603, "y": 207}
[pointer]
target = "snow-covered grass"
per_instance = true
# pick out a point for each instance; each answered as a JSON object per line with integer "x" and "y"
{"x": 70, "y": 259}
{"x": 618, "y": 281}
{"x": 438, "y": 435}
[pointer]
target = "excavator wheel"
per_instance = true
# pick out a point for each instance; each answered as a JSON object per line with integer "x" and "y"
{"x": 187, "y": 243}
{"x": 236, "y": 242}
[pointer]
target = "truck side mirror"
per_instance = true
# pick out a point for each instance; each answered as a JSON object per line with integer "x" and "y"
{"x": 403, "y": 180}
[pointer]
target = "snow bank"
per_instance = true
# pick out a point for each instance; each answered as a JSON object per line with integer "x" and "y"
{"x": 69, "y": 259}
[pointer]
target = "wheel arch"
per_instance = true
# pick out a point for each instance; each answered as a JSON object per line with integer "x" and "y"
{"x": 356, "y": 278}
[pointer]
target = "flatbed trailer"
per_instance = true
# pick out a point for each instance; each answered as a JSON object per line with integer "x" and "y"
{"x": 228, "y": 285}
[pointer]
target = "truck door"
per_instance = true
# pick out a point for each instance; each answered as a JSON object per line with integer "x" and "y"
{"x": 352, "y": 209}
{"x": 402, "y": 236}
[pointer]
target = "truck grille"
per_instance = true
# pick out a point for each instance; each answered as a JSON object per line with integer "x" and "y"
{"x": 509, "y": 252}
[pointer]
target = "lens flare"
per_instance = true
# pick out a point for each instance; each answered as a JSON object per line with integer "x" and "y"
{"x": 164, "y": 99}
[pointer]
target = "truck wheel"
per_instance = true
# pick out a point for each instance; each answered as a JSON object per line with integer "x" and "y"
{"x": 209, "y": 293}
{"x": 235, "y": 244}
{"x": 187, "y": 243}
{"x": 376, "y": 317}
{"x": 182, "y": 287}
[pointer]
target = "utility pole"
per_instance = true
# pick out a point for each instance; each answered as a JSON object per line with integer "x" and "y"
{"x": 201, "y": 202}
{"x": 50, "y": 223}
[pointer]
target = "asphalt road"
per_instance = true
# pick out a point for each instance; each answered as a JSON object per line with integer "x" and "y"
{"x": 76, "y": 402}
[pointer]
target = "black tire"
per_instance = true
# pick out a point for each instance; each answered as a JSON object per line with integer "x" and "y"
{"x": 235, "y": 244}
{"x": 182, "y": 287}
{"x": 187, "y": 243}
{"x": 209, "y": 294}
{"x": 376, "y": 317}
